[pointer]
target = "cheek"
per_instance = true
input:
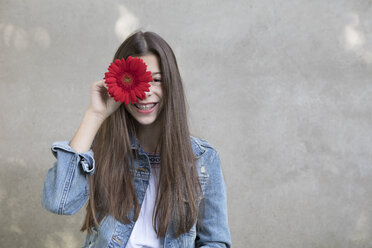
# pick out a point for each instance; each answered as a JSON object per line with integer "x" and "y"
{"x": 129, "y": 109}
{"x": 160, "y": 95}
{"x": 161, "y": 106}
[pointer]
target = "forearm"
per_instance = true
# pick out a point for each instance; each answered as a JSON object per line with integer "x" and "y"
{"x": 82, "y": 140}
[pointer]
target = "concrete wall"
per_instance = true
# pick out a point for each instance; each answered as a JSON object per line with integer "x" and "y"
{"x": 282, "y": 89}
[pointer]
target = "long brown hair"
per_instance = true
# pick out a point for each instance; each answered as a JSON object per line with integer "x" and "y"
{"x": 112, "y": 190}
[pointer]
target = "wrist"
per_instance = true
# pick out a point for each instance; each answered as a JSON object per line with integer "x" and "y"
{"x": 94, "y": 116}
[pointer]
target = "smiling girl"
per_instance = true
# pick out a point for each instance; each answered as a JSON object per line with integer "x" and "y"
{"x": 146, "y": 181}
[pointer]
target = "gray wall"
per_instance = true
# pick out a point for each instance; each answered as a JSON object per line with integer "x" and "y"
{"x": 282, "y": 89}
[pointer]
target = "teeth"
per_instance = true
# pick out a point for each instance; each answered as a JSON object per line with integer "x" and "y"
{"x": 145, "y": 107}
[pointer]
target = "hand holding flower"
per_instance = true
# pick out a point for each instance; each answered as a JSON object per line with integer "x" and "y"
{"x": 101, "y": 104}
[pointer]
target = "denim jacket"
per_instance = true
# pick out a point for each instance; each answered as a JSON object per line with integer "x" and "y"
{"x": 66, "y": 190}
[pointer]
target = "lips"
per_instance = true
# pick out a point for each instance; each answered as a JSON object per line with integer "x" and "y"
{"x": 146, "y": 106}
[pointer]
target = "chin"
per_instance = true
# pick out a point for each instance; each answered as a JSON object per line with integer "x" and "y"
{"x": 146, "y": 121}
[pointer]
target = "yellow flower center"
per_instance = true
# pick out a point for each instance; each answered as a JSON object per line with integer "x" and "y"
{"x": 127, "y": 79}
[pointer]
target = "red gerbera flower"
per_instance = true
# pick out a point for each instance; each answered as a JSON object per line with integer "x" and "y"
{"x": 128, "y": 80}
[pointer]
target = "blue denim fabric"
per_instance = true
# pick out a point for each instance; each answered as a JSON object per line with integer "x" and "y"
{"x": 66, "y": 190}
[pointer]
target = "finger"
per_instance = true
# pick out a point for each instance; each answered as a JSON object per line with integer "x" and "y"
{"x": 105, "y": 89}
{"x": 101, "y": 83}
{"x": 104, "y": 84}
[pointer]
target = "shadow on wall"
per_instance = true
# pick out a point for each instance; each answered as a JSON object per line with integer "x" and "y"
{"x": 126, "y": 23}
{"x": 20, "y": 39}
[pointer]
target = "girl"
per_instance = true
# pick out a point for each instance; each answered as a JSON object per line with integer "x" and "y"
{"x": 148, "y": 183}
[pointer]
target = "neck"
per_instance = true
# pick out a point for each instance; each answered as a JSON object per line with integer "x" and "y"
{"x": 148, "y": 136}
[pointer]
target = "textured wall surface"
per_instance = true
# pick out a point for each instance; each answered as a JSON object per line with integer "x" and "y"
{"x": 282, "y": 89}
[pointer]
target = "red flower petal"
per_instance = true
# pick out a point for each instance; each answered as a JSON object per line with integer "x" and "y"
{"x": 123, "y": 65}
{"x": 145, "y": 77}
{"x": 117, "y": 62}
{"x": 138, "y": 93}
{"x": 121, "y": 98}
{"x": 129, "y": 59}
{"x": 141, "y": 69}
{"x": 110, "y": 90}
{"x": 134, "y": 64}
{"x": 133, "y": 97}
{"x": 144, "y": 87}
{"x": 126, "y": 98}
{"x": 115, "y": 68}
{"x": 109, "y": 74}
{"x": 111, "y": 80}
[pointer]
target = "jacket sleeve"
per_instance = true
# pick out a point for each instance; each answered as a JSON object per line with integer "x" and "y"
{"x": 66, "y": 186}
{"x": 213, "y": 229}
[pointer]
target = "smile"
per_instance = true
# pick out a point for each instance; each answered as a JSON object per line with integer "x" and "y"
{"x": 145, "y": 108}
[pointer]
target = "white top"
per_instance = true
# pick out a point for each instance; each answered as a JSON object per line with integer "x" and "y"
{"x": 143, "y": 234}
